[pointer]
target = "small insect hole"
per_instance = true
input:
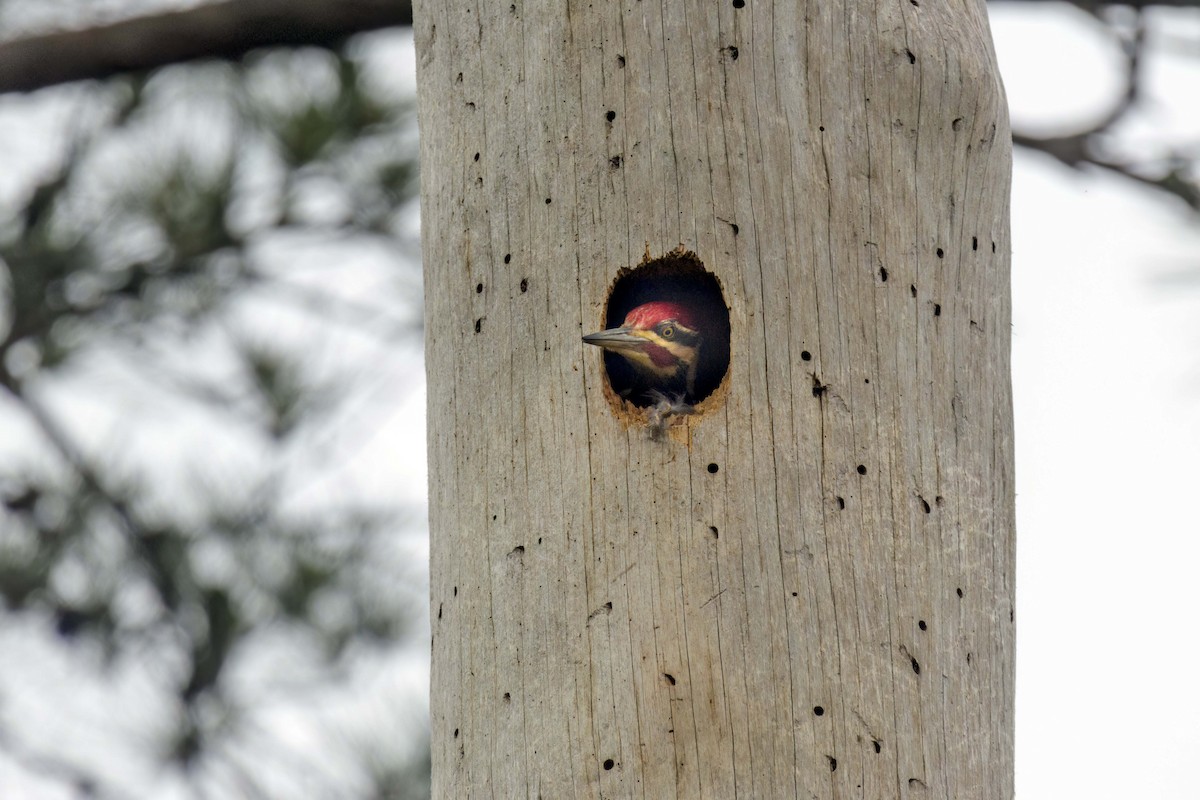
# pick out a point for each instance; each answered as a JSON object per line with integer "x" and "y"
{"x": 524, "y": 285}
{"x": 507, "y": 697}
{"x": 805, "y": 355}
{"x": 621, "y": 62}
{"x": 479, "y": 325}
{"x": 547, "y": 201}
{"x": 713, "y": 530}
{"x": 956, "y": 123}
{"x": 477, "y": 156}
{"x": 877, "y": 745}
{"x": 912, "y": 59}
{"x": 862, "y": 469}
{"x": 608, "y": 763}
{"x": 821, "y": 128}
{"x": 712, "y": 469}
{"x": 832, "y": 763}
{"x": 937, "y": 309}
{"x": 610, "y": 115}
{"x": 921, "y": 624}
{"x": 507, "y": 257}
{"x": 959, "y": 591}
{"x": 841, "y": 503}
{"x": 916, "y": 667}
{"x": 924, "y": 504}
{"x": 670, "y": 678}
{"x": 912, "y": 288}
{"x": 819, "y": 711}
{"x": 941, "y": 253}
{"x": 615, "y": 162}
{"x": 993, "y": 247}
{"x": 479, "y": 288}
{"x": 883, "y": 274}
{"x": 739, "y": 3}
{"x": 974, "y": 242}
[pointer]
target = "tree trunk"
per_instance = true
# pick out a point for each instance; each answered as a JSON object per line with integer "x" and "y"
{"x": 806, "y": 590}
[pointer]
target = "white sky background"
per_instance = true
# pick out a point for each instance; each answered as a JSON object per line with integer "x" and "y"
{"x": 1106, "y": 374}
{"x": 1106, "y": 350}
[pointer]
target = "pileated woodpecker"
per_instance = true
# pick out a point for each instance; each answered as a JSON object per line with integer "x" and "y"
{"x": 662, "y": 341}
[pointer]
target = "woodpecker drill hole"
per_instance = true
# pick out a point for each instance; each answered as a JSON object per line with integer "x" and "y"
{"x": 665, "y": 340}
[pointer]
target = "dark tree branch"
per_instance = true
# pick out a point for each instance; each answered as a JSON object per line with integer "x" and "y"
{"x": 1086, "y": 148}
{"x": 227, "y": 29}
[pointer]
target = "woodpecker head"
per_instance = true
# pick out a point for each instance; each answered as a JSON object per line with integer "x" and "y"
{"x": 661, "y": 340}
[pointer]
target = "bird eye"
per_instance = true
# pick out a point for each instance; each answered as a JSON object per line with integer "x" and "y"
{"x": 667, "y": 332}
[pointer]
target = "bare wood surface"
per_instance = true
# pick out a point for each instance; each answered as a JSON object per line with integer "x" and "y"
{"x": 808, "y": 592}
{"x": 215, "y": 30}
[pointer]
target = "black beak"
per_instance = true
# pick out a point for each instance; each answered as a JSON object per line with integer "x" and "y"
{"x": 615, "y": 339}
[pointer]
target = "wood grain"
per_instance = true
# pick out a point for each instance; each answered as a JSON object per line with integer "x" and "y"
{"x": 620, "y": 617}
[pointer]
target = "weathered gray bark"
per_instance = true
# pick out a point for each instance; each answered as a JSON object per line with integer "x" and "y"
{"x": 809, "y": 592}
